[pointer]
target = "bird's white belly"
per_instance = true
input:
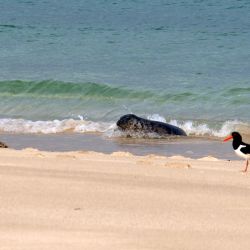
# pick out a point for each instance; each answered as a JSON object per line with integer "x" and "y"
{"x": 240, "y": 154}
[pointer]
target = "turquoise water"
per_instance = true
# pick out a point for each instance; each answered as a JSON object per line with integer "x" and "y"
{"x": 89, "y": 62}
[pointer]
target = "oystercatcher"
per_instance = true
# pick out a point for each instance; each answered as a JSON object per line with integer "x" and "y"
{"x": 241, "y": 148}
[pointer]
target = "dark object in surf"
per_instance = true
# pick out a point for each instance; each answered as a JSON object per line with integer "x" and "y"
{"x": 241, "y": 148}
{"x": 3, "y": 145}
{"x": 133, "y": 123}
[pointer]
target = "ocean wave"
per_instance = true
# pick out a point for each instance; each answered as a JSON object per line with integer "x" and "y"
{"x": 56, "y": 90}
{"x": 52, "y": 127}
{"x": 47, "y": 100}
{"x": 192, "y": 128}
{"x": 203, "y": 129}
{"x": 199, "y": 128}
{"x": 38, "y": 103}
{"x": 10, "y": 26}
{"x": 67, "y": 90}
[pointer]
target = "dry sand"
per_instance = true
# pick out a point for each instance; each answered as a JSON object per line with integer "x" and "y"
{"x": 87, "y": 200}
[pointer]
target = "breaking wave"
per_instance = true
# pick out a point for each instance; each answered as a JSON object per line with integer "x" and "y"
{"x": 194, "y": 128}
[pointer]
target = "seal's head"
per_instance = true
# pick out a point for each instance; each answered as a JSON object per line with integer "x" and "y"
{"x": 127, "y": 122}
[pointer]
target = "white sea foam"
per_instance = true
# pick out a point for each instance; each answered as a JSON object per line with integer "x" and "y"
{"x": 55, "y": 126}
{"x": 109, "y": 128}
{"x": 203, "y": 129}
{"x": 156, "y": 117}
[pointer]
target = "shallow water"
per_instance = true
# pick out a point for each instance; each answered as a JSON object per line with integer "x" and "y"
{"x": 185, "y": 146}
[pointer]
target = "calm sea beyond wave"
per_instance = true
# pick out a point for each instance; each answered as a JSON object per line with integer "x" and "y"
{"x": 77, "y": 66}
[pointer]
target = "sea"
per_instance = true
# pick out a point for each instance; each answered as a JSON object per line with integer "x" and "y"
{"x": 77, "y": 66}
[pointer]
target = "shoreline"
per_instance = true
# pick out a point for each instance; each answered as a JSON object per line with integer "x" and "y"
{"x": 193, "y": 147}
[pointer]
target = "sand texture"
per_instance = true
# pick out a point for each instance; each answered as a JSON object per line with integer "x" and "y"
{"x": 87, "y": 200}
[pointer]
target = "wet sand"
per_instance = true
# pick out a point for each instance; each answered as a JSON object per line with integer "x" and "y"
{"x": 194, "y": 147}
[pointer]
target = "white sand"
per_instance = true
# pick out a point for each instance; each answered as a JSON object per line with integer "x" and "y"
{"x": 86, "y": 200}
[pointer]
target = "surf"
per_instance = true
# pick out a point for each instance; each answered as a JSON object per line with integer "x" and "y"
{"x": 109, "y": 129}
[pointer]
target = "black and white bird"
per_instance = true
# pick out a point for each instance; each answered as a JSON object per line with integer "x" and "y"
{"x": 241, "y": 148}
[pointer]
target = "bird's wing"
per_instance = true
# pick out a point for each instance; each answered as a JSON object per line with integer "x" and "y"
{"x": 245, "y": 149}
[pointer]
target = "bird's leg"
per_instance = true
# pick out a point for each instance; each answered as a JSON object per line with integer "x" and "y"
{"x": 245, "y": 170}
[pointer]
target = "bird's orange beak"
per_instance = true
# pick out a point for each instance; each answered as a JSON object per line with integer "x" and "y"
{"x": 228, "y": 138}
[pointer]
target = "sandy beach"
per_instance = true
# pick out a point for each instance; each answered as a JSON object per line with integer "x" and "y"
{"x": 88, "y": 200}
{"x": 115, "y": 115}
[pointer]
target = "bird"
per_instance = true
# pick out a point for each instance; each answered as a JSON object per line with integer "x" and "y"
{"x": 241, "y": 148}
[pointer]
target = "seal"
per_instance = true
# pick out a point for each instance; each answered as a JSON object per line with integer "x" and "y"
{"x": 133, "y": 123}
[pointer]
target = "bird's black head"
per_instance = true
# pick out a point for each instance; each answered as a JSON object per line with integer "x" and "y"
{"x": 235, "y": 136}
